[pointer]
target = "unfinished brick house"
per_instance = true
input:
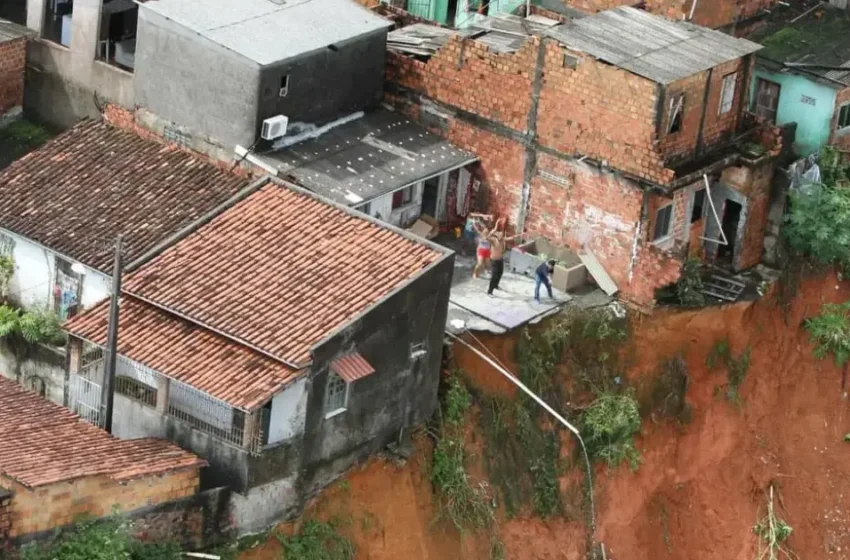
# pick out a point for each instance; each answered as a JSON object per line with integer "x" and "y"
{"x": 597, "y": 134}
{"x": 13, "y": 61}
{"x": 55, "y": 468}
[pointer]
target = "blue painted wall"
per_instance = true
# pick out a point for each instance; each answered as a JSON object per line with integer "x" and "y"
{"x": 813, "y": 121}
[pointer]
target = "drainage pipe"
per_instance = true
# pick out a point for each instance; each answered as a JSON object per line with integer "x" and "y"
{"x": 550, "y": 410}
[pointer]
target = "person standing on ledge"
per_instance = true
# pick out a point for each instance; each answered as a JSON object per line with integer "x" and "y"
{"x": 498, "y": 241}
{"x": 542, "y": 277}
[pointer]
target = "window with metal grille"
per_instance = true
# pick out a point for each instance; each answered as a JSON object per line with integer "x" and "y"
{"x": 844, "y": 116}
{"x": 336, "y": 394}
{"x": 727, "y": 95}
{"x": 663, "y": 217}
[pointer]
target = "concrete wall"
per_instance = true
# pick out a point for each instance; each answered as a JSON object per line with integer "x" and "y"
{"x": 62, "y": 81}
{"x": 39, "y": 368}
{"x": 326, "y": 84}
{"x": 186, "y": 79}
{"x": 814, "y": 121}
{"x": 35, "y": 271}
{"x": 401, "y": 393}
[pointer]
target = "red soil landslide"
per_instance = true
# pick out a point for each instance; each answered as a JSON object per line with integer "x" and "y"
{"x": 701, "y": 487}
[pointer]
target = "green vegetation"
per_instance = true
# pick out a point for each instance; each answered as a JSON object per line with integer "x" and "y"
{"x": 669, "y": 389}
{"x": 100, "y": 540}
{"x": 32, "y": 327}
{"x": 317, "y": 540}
{"x": 690, "y": 285}
{"x": 7, "y": 269}
{"x": 830, "y": 332}
{"x": 608, "y": 426}
{"x": 20, "y": 137}
{"x": 736, "y": 368}
{"x": 773, "y": 532}
{"x": 466, "y": 504}
{"x": 819, "y": 225}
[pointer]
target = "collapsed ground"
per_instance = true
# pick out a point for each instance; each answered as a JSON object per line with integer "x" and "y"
{"x": 760, "y": 411}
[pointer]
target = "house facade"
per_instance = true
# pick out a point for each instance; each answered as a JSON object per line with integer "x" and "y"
{"x": 802, "y": 75}
{"x": 608, "y": 149}
{"x": 326, "y": 349}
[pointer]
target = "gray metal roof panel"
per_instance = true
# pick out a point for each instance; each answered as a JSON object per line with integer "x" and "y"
{"x": 650, "y": 46}
{"x": 267, "y": 32}
{"x": 348, "y": 164}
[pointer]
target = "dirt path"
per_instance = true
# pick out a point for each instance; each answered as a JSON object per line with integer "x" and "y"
{"x": 701, "y": 486}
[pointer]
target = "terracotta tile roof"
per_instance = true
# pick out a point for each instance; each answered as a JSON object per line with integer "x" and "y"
{"x": 280, "y": 271}
{"x": 81, "y": 189}
{"x": 352, "y": 367}
{"x": 42, "y": 443}
{"x": 193, "y": 355}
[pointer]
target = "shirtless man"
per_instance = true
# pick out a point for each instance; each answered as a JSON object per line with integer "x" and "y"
{"x": 497, "y": 254}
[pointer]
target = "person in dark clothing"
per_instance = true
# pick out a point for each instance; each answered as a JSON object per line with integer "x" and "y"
{"x": 542, "y": 277}
{"x": 498, "y": 241}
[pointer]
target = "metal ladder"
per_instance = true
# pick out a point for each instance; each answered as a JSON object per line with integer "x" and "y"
{"x": 723, "y": 288}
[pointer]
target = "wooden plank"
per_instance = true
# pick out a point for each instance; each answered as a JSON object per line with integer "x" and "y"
{"x": 597, "y": 271}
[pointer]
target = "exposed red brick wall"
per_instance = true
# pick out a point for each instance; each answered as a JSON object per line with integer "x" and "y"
{"x": 466, "y": 75}
{"x": 754, "y": 182}
{"x": 13, "y": 60}
{"x": 550, "y": 198}
{"x": 600, "y": 111}
{"x": 56, "y": 505}
{"x": 840, "y": 140}
{"x": 716, "y": 127}
{"x": 5, "y": 515}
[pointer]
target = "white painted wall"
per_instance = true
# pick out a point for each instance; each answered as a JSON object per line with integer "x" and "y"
{"x": 289, "y": 410}
{"x": 382, "y": 208}
{"x": 35, "y": 270}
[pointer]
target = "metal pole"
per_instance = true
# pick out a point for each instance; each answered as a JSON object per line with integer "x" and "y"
{"x": 112, "y": 338}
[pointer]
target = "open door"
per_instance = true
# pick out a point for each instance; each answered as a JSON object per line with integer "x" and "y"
{"x": 729, "y": 223}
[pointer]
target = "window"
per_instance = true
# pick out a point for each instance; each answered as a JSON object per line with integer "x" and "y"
{"x": 570, "y": 61}
{"x": 366, "y": 208}
{"x": 284, "y": 85}
{"x": 767, "y": 99}
{"x": 66, "y": 290}
{"x": 674, "y": 113}
{"x": 117, "y": 42}
{"x": 57, "y": 21}
{"x": 7, "y": 246}
{"x": 727, "y": 95}
{"x": 402, "y": 197}
{"x": 699, "y": 206}
{"x": 844, "y": 116}
{"x": 419, "y": 350}
{"x": 662, "y": 222}
{"x": 336, "y": 395}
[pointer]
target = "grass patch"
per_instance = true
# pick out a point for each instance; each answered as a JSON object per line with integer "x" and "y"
{"x": 736, "y": 368}
{"x": 20, "y": 137}
{"x": 317, "y": 540}
{"x": 829, "y": 331}
{"x": 608, "y": 426}
{"x": 100, "y": 540}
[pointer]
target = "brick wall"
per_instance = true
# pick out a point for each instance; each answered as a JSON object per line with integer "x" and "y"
{"x": 13, "y": 58}
{"x": 601, "y": 111}
{"x": 840, "y": 140}
{"x": 716, "y": 127}
{"x": 754, "y": 182}
{"x": 5, "y": 514}
{"x": 56, "y": 505}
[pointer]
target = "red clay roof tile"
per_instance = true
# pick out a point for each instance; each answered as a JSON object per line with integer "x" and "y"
{"x": 42, "y": 443}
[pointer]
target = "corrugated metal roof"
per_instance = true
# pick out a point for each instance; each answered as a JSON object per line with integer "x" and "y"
{"x": 650, "y": 46}
{"x": 10, "y": 31}
{"x": 352, "y": 367}
{"x": 266, "y": 31}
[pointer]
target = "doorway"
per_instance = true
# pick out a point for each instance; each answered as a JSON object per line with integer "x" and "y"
{"x": 731, "y": 219}
{"x": 430, "y": 194}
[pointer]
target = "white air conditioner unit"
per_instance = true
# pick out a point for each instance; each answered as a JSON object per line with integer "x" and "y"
{"x": 274, "y": 127}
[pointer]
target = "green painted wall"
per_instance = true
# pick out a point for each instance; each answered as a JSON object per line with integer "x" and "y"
{"x": 813, "y": 121}
{"x": 463, "y": 18}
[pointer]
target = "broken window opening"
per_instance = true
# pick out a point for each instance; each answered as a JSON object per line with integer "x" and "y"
{"x": 699, "y": 206}
{"x": 284, "y": 85}
{"x": 663, "y": 217}
{"x": 727, "y": 94}
{"x": 767, "y": 99}
{"x": 116, "y": 44}
{"x": 58, "y": 15}
{"x": 336, "y": 395}
{"x": 570, "y": 61}
{"x": 675, "y": 111}
{"x": 844, "y": 116}
{"x": 403, "y": 197}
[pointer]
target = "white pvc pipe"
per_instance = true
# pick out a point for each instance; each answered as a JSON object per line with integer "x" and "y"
{"x": 722, "y": 240}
